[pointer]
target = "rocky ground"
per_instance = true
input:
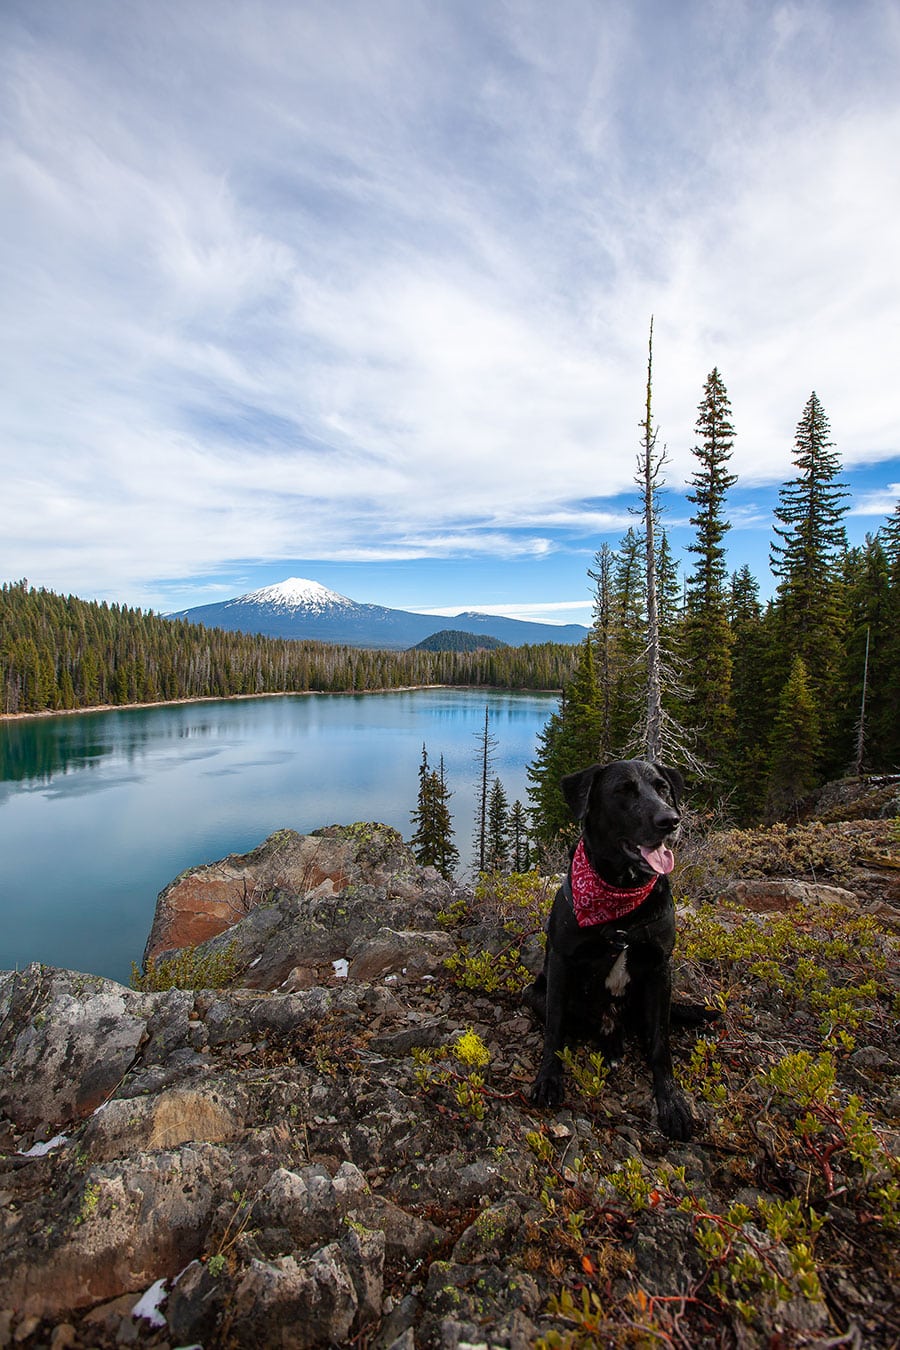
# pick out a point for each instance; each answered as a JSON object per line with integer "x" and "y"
{"x": 334, "y": 1147}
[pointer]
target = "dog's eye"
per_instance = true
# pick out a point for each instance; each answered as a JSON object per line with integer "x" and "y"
{"x": 662, "y": 787}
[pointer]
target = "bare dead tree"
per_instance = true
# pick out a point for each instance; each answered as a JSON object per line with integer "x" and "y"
{"x": 487, "y": 744}
{"x": 650, "y": 464}
{"x": 660, "y": 736}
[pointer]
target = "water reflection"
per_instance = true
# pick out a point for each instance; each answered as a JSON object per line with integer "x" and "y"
{"x": 99, "y": 811}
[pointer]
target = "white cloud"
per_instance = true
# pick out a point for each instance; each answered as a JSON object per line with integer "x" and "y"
{"x": 535, "y": 611}
{"x": 882, "y": 502}
{"x": 374, "y": 282}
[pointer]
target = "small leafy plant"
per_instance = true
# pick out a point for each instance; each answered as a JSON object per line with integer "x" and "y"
{"x": 487, "y": 972}
{"x": 466, "y": 1084}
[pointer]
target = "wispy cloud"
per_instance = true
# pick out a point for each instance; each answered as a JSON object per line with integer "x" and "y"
{"x": 536, "y": 611}
{"x": 374, "y": 282}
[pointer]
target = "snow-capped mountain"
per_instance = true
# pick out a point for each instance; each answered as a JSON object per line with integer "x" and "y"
{"x": 299, "y": 608}
{"x": 296, "y": 593}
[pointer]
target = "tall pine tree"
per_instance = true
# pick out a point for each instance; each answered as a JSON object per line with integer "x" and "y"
{"x": 497, "y": 858}
{"x": 806, "y": 558}
{"x": 707, "y": 631}
{"x": 520, "y": 856}
{"x": 432, "y": 841}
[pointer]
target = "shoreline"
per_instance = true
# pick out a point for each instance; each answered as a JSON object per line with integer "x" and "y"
{"x": 274, "y": 693}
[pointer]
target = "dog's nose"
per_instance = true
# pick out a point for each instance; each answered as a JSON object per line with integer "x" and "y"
{"x": 666, "y": 821}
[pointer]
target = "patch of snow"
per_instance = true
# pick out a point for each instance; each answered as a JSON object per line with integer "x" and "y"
{"x": 147, "y": 1306}
{"x": 41, "y": 1150}
{"x": 341, "y": 967}
{"x": 297, "y": 593}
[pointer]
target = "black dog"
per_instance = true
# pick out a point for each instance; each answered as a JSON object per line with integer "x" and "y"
{"x": 611, "y": 932}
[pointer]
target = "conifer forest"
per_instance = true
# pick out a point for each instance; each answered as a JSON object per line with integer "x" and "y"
{"x": 757, "y": 702}
{"x": 59, "y": 652}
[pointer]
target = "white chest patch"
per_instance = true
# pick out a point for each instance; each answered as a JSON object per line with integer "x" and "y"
{"x": 617, "y": 979}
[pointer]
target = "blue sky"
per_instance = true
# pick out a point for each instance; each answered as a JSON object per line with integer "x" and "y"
{"x": 360, "y": 291}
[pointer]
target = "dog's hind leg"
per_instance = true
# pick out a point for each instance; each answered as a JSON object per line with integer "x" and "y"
{"x": 535, "y": 997}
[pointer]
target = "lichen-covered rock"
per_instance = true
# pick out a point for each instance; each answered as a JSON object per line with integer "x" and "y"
{"x": 66, "y": 1040}
{"x": 764, "y": 894}
{"x": 296, "y": 1304}
{"x": 392, "y": 953}
{"x": 114, "y": 1229}
{"x": 319, "y": 1167}
{"x": 205, "y": 901}
{"x": 164, "y": 1121}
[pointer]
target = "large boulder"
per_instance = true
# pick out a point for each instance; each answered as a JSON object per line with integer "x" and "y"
{"x": 67, "y": 1040}
{"x": 312, "y": 908}
{"x": 208, "y": 900}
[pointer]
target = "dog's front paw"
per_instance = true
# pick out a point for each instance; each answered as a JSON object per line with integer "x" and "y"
{"x": 547, "y": 1091}
{"x": 675, "y": 1119}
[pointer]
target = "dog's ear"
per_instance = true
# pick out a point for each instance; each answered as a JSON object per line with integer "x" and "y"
{"x": 576, "y": 789}
{"x": 675, "y": 781}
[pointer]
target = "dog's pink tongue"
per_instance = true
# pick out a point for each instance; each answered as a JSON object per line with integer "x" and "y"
{"x": 661, "y": 859}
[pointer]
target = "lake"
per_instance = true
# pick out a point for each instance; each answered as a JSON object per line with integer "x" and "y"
{"x": 99, "y": 811}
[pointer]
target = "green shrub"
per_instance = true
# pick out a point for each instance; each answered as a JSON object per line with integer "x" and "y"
{"x": 189, "y": 969}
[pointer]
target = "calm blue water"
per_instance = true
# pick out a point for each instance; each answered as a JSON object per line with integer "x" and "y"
{"x": 98, "y": 812}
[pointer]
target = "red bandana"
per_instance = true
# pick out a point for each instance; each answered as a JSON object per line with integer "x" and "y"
{"x": 595, "y": 900}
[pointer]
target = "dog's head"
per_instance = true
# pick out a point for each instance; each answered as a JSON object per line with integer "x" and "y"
{"x": 629, "y": 811}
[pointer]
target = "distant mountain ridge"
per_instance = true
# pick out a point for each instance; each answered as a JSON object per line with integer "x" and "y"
{"x": 304, "y": 609}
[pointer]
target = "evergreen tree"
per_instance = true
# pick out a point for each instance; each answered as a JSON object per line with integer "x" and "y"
{"x": 424, "y": 841}
{"x": 707, "y": 631}
{"x": 629, "y": 619}
{"x": 569, "y": 741}
{"x": 582, "y": 731}
{"x": 668, "y": 598}
{"x": 551, "y": 817}
{"x": 889, "y": 692}
{"x": 518, "y": 838}
{"x": 795, "y": 743}
{"x": 447, "y": 852}
{"x": 890, "y": 541}
{"x": 868, "y": 711}
{"x": 748, "y": 757}
{"x": 807, "y": 561}
{"x": 432, "y": 842}
{"x": 497, "y": 850}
